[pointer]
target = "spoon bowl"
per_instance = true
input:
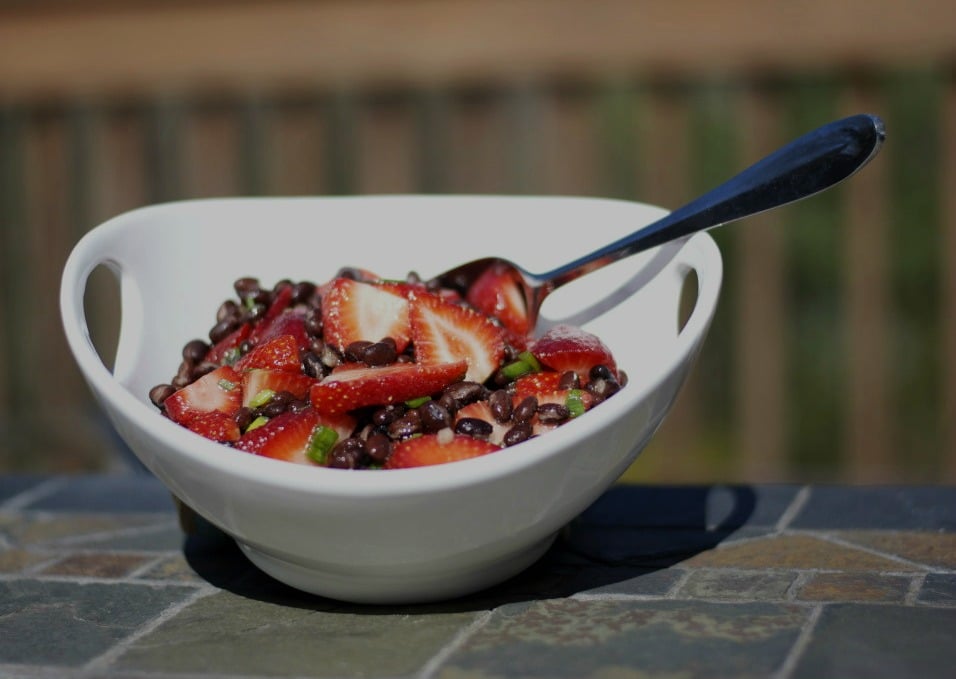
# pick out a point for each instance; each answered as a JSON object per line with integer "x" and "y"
{"x": 807, "y": 165}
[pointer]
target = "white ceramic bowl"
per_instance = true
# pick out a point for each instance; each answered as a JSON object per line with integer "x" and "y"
{"x": 405, "y": 535}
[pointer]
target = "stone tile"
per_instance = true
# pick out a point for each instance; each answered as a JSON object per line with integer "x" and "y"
{"x": 938, "y": 589}
{"x": 68, "y": 624}
{"x": 96, "y": 565}
{"x": 736, "y": 585}
{"x": 794, "y": 552}
{"x": 300, "y": 636}
{"x": 849, "y": 587}
{"x": 936, "y": 550}
{"x": 156, "y": 537}
{"x": 120, "y": 493}
{"x": 875, "y": 641}
{"x": 12, "y": 485}
{"x": 32, "y": 529}
{"x": 174, "y": 568}
{"x": 609, "y": 638}
{"x": 690, "y": 506}
{"x": 924, "y": 508}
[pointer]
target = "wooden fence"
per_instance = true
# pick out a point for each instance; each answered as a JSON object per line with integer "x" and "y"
{"x": 833, "y": 355}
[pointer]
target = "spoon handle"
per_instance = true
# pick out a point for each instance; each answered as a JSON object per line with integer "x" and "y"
{"x": 807, "y": 165}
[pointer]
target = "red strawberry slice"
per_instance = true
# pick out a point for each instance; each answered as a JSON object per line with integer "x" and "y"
{"x": 537, "y": 383}
{"x": 286, "y": 436}
{"x": 259, "y": 379}
{"x": 354, "y": 311}
{"x": 289, "y": 322}
{"x": 217, "y": 353}
{"x": 215, "y": 426}
{"x": 279, "y": 304}
{"x": 280, "y": 353}
{"x": 497, "y": 292}
{"x": 443, "y": 332}
{"x": 218, "y": 391}
{"x": 565, "y": 347}
{"x": 347, "y": 389}
{"x": 433, "y": 449}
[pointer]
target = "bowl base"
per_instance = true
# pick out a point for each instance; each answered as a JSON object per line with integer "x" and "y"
{"x": 414, "y": 585}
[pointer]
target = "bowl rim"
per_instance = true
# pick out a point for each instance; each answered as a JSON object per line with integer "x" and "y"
{"x": 87, "y": 254}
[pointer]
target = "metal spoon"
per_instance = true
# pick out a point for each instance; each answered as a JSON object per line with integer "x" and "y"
{"x": 809, "y": 164}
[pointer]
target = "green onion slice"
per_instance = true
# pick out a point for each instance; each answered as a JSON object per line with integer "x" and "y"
{"x": 256, "y": 423}
{"x": 515, "y": 370}
{"x": 575, "y": 402}
{"x": 322, "y": 441}
{"x": 531, "y": 360}
{"x": 416, "y": 402}
{"x": 261, "y": 398}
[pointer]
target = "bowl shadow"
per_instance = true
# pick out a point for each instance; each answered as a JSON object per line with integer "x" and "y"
{"x": 623, "y": 544}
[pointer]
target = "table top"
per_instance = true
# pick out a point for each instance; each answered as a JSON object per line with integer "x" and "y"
{"x": 98, "y": 579}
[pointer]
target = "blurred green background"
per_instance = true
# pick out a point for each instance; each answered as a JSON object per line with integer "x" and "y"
{"x": 833, "y": 353}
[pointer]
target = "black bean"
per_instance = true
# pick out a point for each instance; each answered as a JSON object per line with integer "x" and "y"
{"x": 502, "y": 405}
{"x": 284, "y": 397}
{"x": 518, "y": 433}
{"x": 222, "y": 329}
{"x": 243, "y": 417}
{"x": 603, "y": 389}
{"x": 299, "y": 406}
{"x": 410, "y": 423}
{"x": 622, "y": 378}
{"x": 569, "y": 380}
{"x": 433, "y": 416}
{"x": 553, "y": 413}
{"x": 246, "y": 287}
{"x": 204, "y": 368}
{"x": 313, "y": 322}
{"x": 228, "y": 310}
{"x": 380, "y": 353}
{"x": 355, "y": 350}
{"x": 160, "y": 393}
{"x": 302, "y": 292}
{"x": 385, "y": 415}
{"x": 465, "y": 392}
{"x": 600, "y": 372}
{"x": 184, "y": 375}
{"x": 255, "y": 312}
{"x": 347, "y": 454}
{"x": 474, "y": 426}
{"x": 195, "y": 350}
{"x": 525, "y": 410}
{"x": 245, "y": 346}
{"x": 312, "y": 365}
{"x": 378, "y": 447}
{"x": 273, "y": 408}
{"x": 263, "y": 297}
{"x": 448, "y": 403}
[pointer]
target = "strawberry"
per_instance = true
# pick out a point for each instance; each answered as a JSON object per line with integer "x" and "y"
{"x": 497, "y": 292}
{"x": 280, "y": 303}
{"x": 280, "y": 353}
{"x": 354, "y": 311}
{"x": 356, "y": 387}
{"x": 433, "y": 449}
{"x": 565, "y": 347}
{"x": 221, "y": 349}
{"x": 259, "y": 379}
{"x": 482, "y": 411}
{"x": 289, "y": 322}
{"x": 443, "y": 332}
{"x": 537, "y": 383}
{"x": 214, "y": 425}
{"x": 217, "y": 391}
{"x": 286, "y": 436}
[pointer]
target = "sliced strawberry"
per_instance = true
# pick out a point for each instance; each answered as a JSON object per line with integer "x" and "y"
{"x": 215, "y": 426}
{"x": 347, "y": 389}
{"x": 353, "y": 311}
{"x": 258, "y": 380}
{"x": 443, "y": 332}
{"x": 289, "y": 322}
{"x": 433, "y": 449}
{"x": 497, "y": 292}
{"x": 565, "y": 347}
{"x": 286, "y": 436}
{"x": 219, "y": 351}
{"x": 218, "y": 391}
{"x": 280, "y": 303}
{"x": 280, "y": 353}
{"x": 537, "y": 383}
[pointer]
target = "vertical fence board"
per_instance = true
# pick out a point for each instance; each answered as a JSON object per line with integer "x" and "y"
{"x": 477, "y": 159}
{"x": 298, "y": 143}
{"x": 213, "y": 151}
{"x": 570, "y": 148}
{"x": 386, "y": 150}
{"x": 948, "y": 266}
{"x": 760, "y": 307}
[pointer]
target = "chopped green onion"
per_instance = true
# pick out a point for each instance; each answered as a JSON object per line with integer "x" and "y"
{"x": 531, "y": 360}
{"x": 320, "y": 443}
{"x": 261, "y": 398}
{"x": 249, "y": 303}
{"x": 574, "y": 402}
{"x": 515, "y": 370}
{"x": 226, "y": 385}
{"x": 231, "y": 356}
{"x": 256, "y": 423}
{"x": 416, "y": 402}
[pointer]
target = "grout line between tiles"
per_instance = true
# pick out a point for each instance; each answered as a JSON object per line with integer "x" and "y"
{"x": 435, "y": 663}
{"x": 800, "y": 645}
{"x": 796, "y": 505}
{"x": 34, "y": 493}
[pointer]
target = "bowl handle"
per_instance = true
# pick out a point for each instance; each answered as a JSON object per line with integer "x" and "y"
{"x": 699, "y": 254}
{"x": 100, "y": 248}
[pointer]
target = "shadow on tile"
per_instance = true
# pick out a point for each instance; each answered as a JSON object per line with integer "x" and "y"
{"x": 623, "y": 544}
